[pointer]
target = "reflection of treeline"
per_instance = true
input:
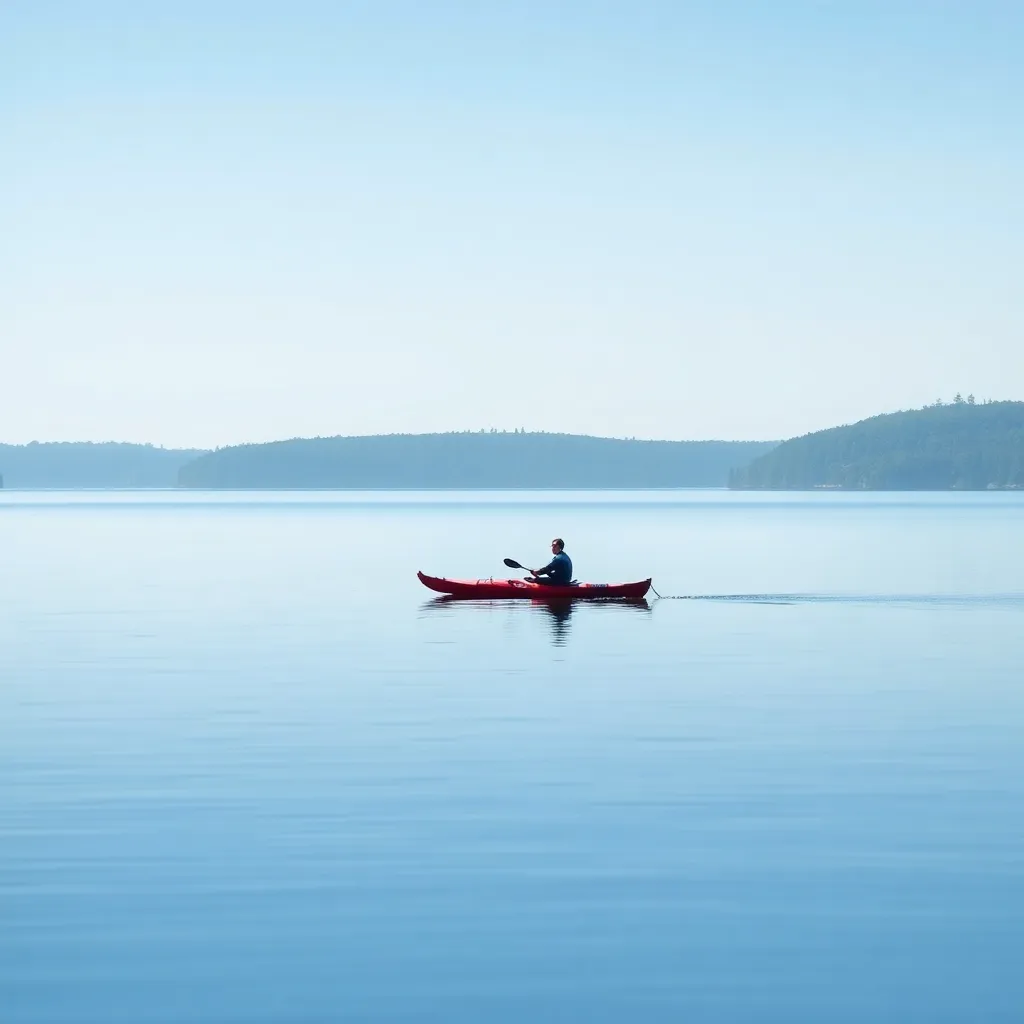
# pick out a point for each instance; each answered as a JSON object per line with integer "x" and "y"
{"x": 959, "y": 446}
{"x": 83, "y": 464}
{"x": 484, "y": 459}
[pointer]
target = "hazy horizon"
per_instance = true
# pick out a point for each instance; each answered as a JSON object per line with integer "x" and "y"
{"x": 393, "y": 433}
{"x": 456, "y": 430}
{"x": 745, "y": 223}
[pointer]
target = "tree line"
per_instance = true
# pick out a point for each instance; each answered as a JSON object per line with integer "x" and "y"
{"x": 964, "y": 445}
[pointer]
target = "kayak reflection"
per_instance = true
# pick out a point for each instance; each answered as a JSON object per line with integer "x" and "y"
{"x": 558, "y": 612}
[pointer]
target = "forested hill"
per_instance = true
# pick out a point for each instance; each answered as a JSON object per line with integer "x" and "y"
{"x": 482, "y": 459}
{"x": 83, "y": 464}
{"x": 942, "y": 447}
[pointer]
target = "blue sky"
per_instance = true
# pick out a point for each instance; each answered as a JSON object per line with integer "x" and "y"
{"x": 229, "y": 222}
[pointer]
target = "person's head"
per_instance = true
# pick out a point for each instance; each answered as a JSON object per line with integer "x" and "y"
{"x": 557, "y": 545}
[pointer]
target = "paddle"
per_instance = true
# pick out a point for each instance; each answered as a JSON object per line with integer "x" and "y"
{"x": 513, "y": 564}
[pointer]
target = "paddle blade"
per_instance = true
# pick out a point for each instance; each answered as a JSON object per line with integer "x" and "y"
{"x": 512, "y": 563}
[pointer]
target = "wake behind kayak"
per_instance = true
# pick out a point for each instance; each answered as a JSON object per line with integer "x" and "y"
{"x": 492, "y": 588}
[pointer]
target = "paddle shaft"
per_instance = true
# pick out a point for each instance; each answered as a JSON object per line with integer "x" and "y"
{"x": 513, "y": 564}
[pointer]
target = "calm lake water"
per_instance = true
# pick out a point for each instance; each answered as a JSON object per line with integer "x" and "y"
{"x": 250, "y": 770}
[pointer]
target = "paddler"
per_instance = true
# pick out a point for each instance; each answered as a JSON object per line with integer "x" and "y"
{"x": 558, "y": 572}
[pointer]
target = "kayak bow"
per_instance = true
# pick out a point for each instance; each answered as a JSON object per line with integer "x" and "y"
{"x": 492, "y": 588}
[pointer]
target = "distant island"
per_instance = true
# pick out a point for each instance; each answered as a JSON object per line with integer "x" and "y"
{"x": 489, "y": 459}
{"x": 82, "y": 464}
{"x": 960, "y": 446}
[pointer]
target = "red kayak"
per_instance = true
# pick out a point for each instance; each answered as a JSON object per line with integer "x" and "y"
{"x": 491, "y": 588}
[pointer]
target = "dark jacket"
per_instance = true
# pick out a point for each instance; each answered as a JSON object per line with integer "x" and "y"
{"x": 558, "y": 570}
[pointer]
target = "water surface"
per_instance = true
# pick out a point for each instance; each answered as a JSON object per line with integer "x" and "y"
{"x": 250, "y": 770}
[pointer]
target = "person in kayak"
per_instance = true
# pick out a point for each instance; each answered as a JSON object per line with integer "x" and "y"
{"x": 558, "y": 572}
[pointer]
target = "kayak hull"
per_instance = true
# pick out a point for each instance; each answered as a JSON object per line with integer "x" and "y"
{"x": 530, "y": 591}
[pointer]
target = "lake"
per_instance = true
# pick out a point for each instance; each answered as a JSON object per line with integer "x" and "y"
{"x": 251, "y": 770}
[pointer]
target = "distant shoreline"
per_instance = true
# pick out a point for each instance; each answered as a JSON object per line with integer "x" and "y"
{"x": 962, "y": 446}
{"x": 176, "y": 489}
